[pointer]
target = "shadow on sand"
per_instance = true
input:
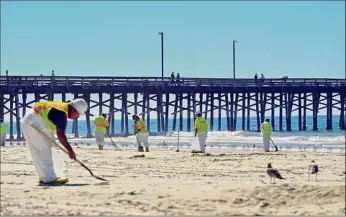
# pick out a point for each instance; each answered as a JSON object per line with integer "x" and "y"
{"x": 65, "y": 185}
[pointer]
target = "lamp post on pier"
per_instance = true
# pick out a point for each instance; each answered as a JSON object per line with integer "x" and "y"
{"x": 161, "y": 33}
{"x": 234, "y": 41}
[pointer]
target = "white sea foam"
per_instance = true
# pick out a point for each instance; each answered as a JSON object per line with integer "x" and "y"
{"x": 226, "y": 136}
{"x": 296, "y": 138}
{"x": 226, "y": 139}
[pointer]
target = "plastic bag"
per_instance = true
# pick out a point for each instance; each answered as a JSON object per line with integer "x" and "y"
{"x": 195, "y": 144}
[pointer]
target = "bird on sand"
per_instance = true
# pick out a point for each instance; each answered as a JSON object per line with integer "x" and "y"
{"x": 313, "y": 169}
{"x": 273, "y": 173}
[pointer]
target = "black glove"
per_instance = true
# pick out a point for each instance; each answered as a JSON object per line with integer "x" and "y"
{"x": 195, "y": 133}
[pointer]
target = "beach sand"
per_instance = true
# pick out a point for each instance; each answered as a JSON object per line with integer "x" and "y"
{"x": 165, "y": 182}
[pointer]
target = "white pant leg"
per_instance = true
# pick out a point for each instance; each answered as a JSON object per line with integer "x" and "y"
{"x": 2, "y": 139}
{"x": 266, "y": 142}
{"x": 201, "y": 140}
{"x": 143, "y": 137}
{"x": 99, "y": 137}
{"x": 39, "y": 146}
{"x": 58, "y": 163}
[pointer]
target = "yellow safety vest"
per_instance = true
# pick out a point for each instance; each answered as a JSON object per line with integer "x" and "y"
{"x": 101, "y": 123}
{"x": 201, "y": 125}
{"x": 140, "y": 126}
{"x": 43, "y": 109}
{"x": 266, "y": 128}
{"x": 3, "y": 128}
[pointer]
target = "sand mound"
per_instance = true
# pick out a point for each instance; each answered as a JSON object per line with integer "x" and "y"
{"x": 293, "y": 197}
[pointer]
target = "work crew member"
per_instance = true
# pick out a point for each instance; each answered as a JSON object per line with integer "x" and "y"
{"x": 141, "y": 133}
{"x": 201, "y": 130}
{"x": 3, "y": 131}
{"x": 51, "y": 117}
{"x": 101, "y": 124}
{"x": 266, "y": 130}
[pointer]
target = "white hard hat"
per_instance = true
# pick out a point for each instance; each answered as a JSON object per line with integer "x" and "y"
{"x": 80, "y": 105}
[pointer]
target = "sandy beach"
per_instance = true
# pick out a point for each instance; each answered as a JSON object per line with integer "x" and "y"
{"x": 165, "y": 182}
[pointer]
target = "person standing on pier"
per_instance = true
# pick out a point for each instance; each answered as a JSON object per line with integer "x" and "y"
{"x": 172, "y": 78}
{"x": 101, "y": 123}
{"x": 266, "y": 130}
{"x": 201, "y": 129}
{"x": 141, "y": 133}
{"x": 3, "y": 131}
{"x": 51, "y": 117}
{"x": 177, "y": 78}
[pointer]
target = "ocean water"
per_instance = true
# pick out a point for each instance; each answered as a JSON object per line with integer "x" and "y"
{"x": 316, "y": 141}
{"x": 82, "y": 127}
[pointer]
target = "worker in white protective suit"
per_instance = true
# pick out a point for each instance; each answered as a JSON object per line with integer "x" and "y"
{"x": 141, "y": 133}
{"x": 201, "y": 130}
{"x": 51, "y": 117}
{"x": 101, "y": 124}
{"x": 3, "y": 131}
{"x": 266, "y": 130}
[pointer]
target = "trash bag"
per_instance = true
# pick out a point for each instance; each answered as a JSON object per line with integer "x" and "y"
{"x": 195, "y": 144}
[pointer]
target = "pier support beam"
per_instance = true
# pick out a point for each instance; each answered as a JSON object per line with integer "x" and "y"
{"x": 248, "y": 111}
{"x": 148, "y": 110}
{"x": 329, "y": 111}
{"x": 227, "y": 112}
{"x": 235, "y": 112}
{"x": 11, "y": 116}
{"x": 232, "y": 112}
{"x": 273, "y": 110}
{"x": 257, "y": 113}
{"x": 188, "y": 112}
{"x": 316, "y": 99}
{"x": 299, "y": 111}
{"x": 304, "y": 111}
{"x": 219, "y": 112}
{"x": 211, "y": 112}
{"x": 112, "y": 114}
{"x": 18, "y": 132}
{"x": 181, "y": 112}
{"x": 175, "y": 111}
{"x": 342, "y": 111}
{"x": 280, "y": 111}
{"x": 87, "y": 115}
{"x": 243, "y": 112}
{"x": 167, "y": 112}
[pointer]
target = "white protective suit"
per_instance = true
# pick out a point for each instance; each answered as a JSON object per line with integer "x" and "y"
{"x": 198, "y": 144}
{"x": 266, "y": 143}
{"x": 201, "y": 140}
{"x": 2, "y": 139}
{"x": 46, "y": 158}
{"x": 100, "y": 137}
{"x": 143, "y": 137}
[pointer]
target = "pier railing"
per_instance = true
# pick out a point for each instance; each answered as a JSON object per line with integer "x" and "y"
{"x": 14, "y": 82}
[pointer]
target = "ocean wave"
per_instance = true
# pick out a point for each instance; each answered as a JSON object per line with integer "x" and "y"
{"x": 238, "y": 136}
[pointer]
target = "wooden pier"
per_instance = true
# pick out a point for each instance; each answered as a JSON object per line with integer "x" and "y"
{"x": 210, "y": 96}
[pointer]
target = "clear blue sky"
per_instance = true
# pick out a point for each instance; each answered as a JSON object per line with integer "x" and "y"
{"x": 297, "y": 39}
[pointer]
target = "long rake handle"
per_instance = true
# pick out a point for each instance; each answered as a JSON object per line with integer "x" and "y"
{"x": 276, "y": 148}
{"x": 115, "y": 146}
{"x": 61, "y": 148}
